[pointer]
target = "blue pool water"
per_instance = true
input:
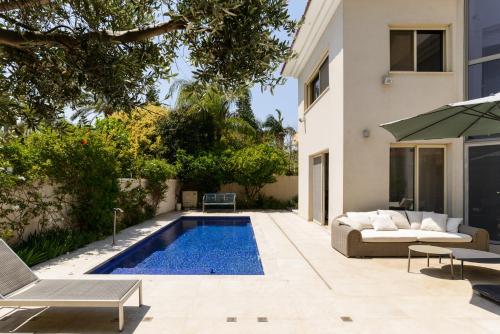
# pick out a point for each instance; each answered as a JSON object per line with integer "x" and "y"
{"x": 192, "y": 246}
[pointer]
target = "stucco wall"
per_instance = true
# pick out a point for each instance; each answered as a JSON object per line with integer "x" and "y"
{"x": 368, "y": 103}
{"x": 166, "y": 205}
{"x": 284, "y": 189}
{"x": 322, "y": 126}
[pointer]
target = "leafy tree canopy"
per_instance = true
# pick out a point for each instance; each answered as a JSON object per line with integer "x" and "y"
{"x": 57, "y": 54}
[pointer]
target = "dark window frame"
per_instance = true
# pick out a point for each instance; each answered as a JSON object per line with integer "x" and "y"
{"x": 317, "y": 85}
{"x": 415, "y": 48}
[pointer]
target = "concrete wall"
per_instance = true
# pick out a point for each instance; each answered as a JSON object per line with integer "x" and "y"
{"x": 369, "y": 103}
{"x": 47, "y": 191}
{"x": 167, "y": 204}
{"x": 284, "y": 189}
{"x": 322, "y": 127}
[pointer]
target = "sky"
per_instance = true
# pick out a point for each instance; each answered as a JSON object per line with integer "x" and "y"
{"x": 263, "y": 103}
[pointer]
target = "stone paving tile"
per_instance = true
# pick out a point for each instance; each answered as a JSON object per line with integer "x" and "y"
{"x": 307, "y": 288}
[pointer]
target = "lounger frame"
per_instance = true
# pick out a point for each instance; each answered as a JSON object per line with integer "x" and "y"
{"x": 11, "y": 301}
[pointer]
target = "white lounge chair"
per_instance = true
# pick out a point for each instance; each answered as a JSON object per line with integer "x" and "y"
{"x": 20, "y": 287}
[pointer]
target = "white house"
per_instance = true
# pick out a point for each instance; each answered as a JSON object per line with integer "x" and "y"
{"x": 361, "y": 63}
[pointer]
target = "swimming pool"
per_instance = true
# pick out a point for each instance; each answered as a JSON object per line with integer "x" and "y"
{"x": 192, "y": 246}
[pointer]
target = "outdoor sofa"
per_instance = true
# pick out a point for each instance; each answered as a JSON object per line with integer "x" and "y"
{"x": 353, "y": 240}
{"x": 20, "y": 287}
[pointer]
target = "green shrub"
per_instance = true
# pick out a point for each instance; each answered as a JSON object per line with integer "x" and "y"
{"x": 48, "y": 244}
{"x": 204, "y": 172}
{"x": 156, "y": 172}
{"x": 255, "y": 166}
{"x": 135, "y": 207}
{"x": 266, "y": 203}
{"x": 79, "y": 162}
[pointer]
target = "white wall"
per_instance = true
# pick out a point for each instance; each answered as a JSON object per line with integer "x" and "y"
{"x": 285, "y": 188}
{"x": 369, "y": 103}
{"x": 322, "y": 128}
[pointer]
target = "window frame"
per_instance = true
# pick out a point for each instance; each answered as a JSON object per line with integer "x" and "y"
{"x": 416, "y": 29}
{"x": 309, "y": 102}
{"x": 416, "y": 188}
{"x": 468, "y": 63}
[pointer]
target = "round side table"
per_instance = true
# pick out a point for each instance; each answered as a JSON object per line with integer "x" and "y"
{"x": 430, "y": 250}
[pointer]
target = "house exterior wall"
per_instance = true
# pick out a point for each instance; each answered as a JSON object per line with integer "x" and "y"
{"x": 322, "y": 127}
{"x": 357, "y": 40}
{"x": 368, "y": 102}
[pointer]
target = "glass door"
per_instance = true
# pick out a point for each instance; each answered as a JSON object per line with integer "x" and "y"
{"x": 417, "y": 178}
{"x": 431, "y": 179}
{"x": 483, "y": 188}
{"x": 318, "y": 189}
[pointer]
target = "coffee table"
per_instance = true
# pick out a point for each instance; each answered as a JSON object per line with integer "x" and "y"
{"x": 430, "y": 250}
{"x": 473, "y": 255}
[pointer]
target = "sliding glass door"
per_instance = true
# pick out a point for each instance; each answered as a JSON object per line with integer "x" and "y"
{"x": 483, "y": 183}
{"x": 418, "y": 177}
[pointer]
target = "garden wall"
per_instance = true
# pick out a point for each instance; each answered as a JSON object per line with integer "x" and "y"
{"x": 284, "y": 189}
{"x": 167, "y": 205}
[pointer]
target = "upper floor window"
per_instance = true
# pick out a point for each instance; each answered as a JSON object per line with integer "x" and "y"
{"x": 418, "y": 50}
{"x": 318, "y": 83}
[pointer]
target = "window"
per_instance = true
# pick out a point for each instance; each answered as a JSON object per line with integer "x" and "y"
{"x": 417, "y": 176}
{"x": 484, "y": 28}
{"x": 417, "y": 50}
{"x": 484, "y": 48}
{"x": 319, "y": 83}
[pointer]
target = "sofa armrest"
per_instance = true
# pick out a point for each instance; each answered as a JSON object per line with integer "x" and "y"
{"x": 345, "y": 239}
{"x": 480, "y": 236}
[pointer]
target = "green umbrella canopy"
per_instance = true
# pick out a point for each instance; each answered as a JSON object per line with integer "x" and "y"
{"x": 469, "y": 118}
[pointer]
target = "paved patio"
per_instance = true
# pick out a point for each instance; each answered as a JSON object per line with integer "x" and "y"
{"x": 307, "y": 288}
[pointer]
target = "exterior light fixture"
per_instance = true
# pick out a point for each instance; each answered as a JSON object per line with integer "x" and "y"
{"x": 366, "y": 133}
{"x": 387, "y": 80}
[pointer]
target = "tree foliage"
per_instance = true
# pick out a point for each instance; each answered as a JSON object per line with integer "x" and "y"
{"x": 255, "y": 166}
{"x": 109, "y": 55}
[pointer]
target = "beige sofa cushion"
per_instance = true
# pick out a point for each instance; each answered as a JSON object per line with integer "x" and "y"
{"x": 353, "y": 223}
{"x": 383, "y": 223}
{"x": 432, "y": 221}
{"x": 415, "y": 219}
{"x": 453, "y": 223}
{"x": 398, "y": 217}
{"x": 403, "y": 235}
{"x": 433, "y": 236}
{"x": 361, "y": 219}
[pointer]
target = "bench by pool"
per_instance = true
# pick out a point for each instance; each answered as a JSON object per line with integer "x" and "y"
{"x": 192, "y": 246}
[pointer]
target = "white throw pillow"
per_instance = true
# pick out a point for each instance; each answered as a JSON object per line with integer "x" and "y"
{"x": 364, "y": 219}
{"x": 351, "y": 223}
{"x": 415, "y": 219}
{"x": 384, "y": 223}
{"x": 452, "y": 224}
{"x": 432, "y": 221}
{"x": 398, "y": 217}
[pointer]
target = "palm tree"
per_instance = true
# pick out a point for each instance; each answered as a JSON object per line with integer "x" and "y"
{"x": 275, "y": 128}
{"x": 212, "y": 102}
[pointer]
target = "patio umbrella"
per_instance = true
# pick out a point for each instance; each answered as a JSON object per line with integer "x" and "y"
{"x": 468, "y": 118}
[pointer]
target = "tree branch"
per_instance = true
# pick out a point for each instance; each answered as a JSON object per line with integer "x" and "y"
{"x": 6, "y": 6}
{"x": 140, "y": 34}
{"x": 28, "y": 39}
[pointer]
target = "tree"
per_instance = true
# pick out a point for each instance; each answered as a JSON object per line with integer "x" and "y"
{"x": 255, "y": 166}
{"x": 275, "y": 128}
{"x": 244, "y": 109}
{"x": 110, "y": 54}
